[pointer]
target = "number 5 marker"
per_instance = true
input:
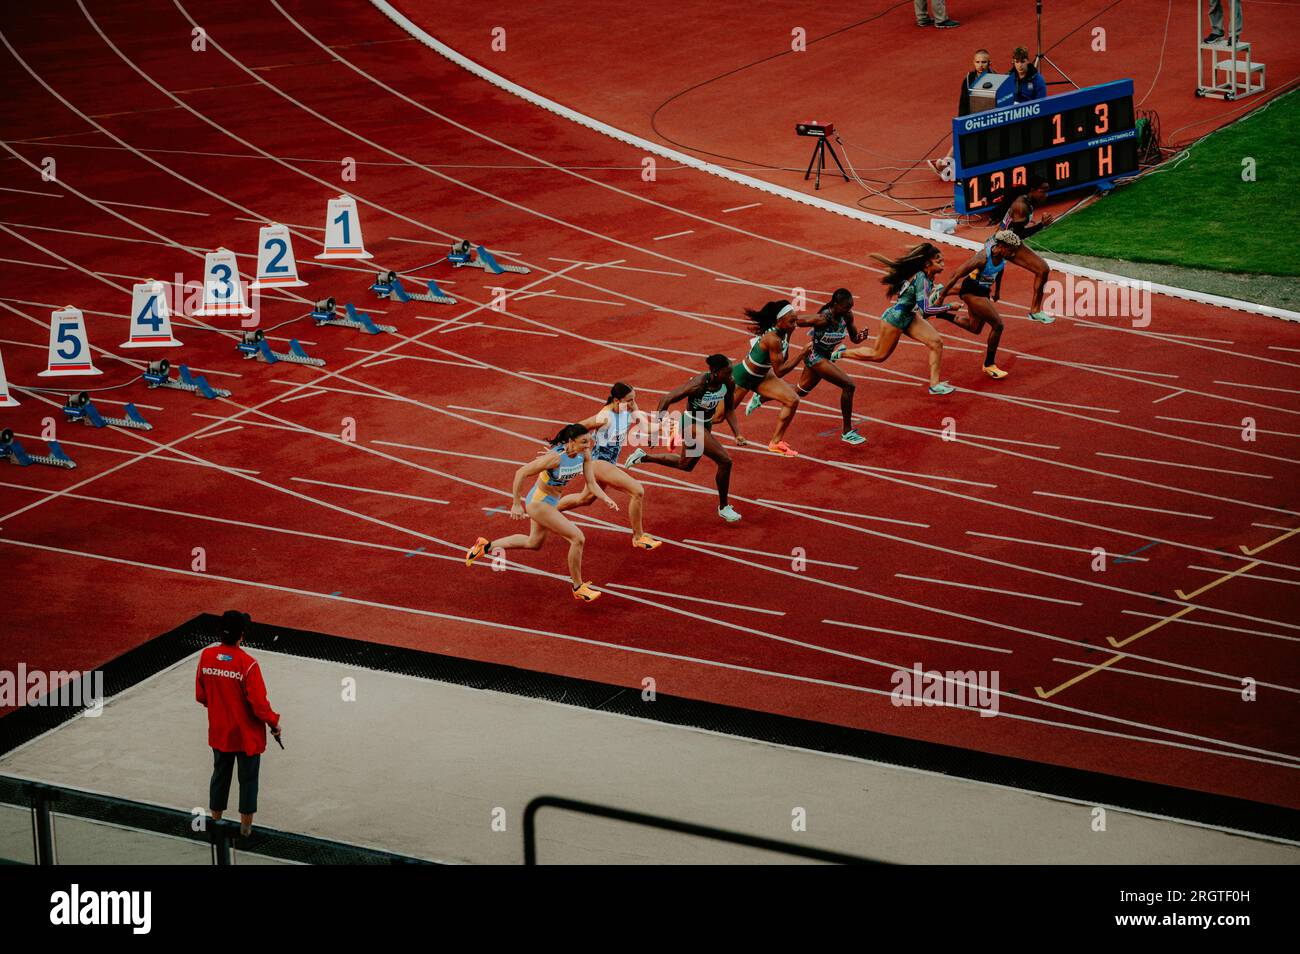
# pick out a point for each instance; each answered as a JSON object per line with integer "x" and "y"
{"x": 69, "y": 348}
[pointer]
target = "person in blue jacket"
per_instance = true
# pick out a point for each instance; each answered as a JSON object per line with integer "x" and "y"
{"x": 1029, "y": 82}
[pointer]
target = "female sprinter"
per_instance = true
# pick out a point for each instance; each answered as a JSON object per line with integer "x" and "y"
{"x": 1015, "y": 212}
{"x": 569, "y": 456}
{"x": 979, "y": 275}
{"x": 608, "y": 429}
{"x": 910, "y": 278}
{"x": 761, "y": 368}
{"x": 828, "y": 329}
{"x": 704, "y": 394}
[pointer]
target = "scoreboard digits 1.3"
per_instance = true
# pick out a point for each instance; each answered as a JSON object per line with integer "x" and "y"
{"x": 1076, "y": 139}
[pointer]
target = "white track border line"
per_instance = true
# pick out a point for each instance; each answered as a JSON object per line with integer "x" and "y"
{"x": 825, "y": 205}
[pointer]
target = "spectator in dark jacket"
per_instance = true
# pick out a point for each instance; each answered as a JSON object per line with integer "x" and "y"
{"x": 229, "y": 683}
{"x": 981, "y": 70}
{"x": 943, "y": 166}
{"x": 1029, "y": 82}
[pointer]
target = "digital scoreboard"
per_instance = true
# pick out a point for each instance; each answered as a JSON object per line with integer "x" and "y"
{"x": 1081, "y": 138}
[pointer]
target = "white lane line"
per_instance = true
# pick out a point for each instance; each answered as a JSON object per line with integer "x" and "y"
{"x": 516, "y": 331}
{"x": 14, "y": 261}
{"x": 1188, "y": 621}
{"x": 152, "y": 208}
{"x": 866, "y": 468}
{"x": 224, "y": 430}
{"x": 369, "y": 394}
{"x": 127, "y": 453}
{"x": 660, "y": 238}
{"x": 621, "y": 268}
{"x": 932, "y": 639}
{"x": 274, "y": 427}
{"x": 1174, "y": 463}
{"x": 842, "y": 513}
{"x": 1231, "y": 427}
{"x": 1242, "y": 753}
{"x": 1258, "y": 387}
{"x": 1077, "y": 407}
{"x": 556, "y": 295}
{"x": 1150, "y": 675}
{"x": 692, "y": 599}
{"x": 248, "y": 524}
{"x": 1053, "y": 546}
{"x": 1127, "y": 506}
{"x": 1271, "y": 526}
{"x": 305, "y": 394}
{"x": 778, "y": 556}
{"x": 1171, "y": 394}
{"x": 384, "y": 360}
{"x": 306, "y": 228}
{"x": 1249, "y": 576}
{"x": 413, "y": 357}
{"x": 353, "y": 488}
{"x": 44, "y": 195}
{"x": 1166, "y": 334}
{"x": 1280, "y": 348}
{"x": 986, "y": 589}
{"x": 741, "y": 208}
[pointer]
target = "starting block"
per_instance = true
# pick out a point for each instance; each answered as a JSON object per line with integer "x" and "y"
{"x": 461, "y": 257}
{"x": 323, "y": 313}
{"x": 157, "y": 375}
{"x": 13, "y": 451}
{"x": 387, "y": 285}
{"x": 255, "y": 345}
{"x": 81, "y": 408}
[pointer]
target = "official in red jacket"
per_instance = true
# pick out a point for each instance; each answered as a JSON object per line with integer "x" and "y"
{"x": 229, "y": 682}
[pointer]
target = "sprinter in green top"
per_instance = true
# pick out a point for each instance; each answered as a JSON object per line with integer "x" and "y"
{"x": 768, "y": 358}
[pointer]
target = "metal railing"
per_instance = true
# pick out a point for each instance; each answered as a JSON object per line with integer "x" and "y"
{"x": 674, "y": 825}
{"x": 46, "y": 801}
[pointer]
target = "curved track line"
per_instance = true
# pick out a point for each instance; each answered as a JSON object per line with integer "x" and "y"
{"x": 682, "y": 158}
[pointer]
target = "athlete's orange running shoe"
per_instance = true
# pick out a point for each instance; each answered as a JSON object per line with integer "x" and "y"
{"x": 587, "y": 593}
{"x": 782, "y": 448}
{"x": 994, "y": 372}
{"x": 646, "y": 542}
{"x": 477, "y": 550}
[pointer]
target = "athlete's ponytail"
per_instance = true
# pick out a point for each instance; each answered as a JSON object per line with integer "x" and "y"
{"x": 568, "y": 432}
{"x": 898, "y": 271}
{"x": 765, "y": 319}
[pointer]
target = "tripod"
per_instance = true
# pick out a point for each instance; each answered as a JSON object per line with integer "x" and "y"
{"x": 819, "y": 160}
{"x": 1040, "y": 56}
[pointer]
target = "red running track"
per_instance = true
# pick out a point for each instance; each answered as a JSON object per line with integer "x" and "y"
{"x": 721, "y": 82}
{"x": 965, "y": 554}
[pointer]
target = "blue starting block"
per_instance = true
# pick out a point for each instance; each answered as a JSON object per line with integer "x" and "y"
{"x": 255, "y": 345}
{"x": 324, "y": 313}
{"x": 81, "y": 408}
{"x": 461, "y": 257}
{"x": 157, "y": 375}
{"x": 392, "y": 286}
{"x": 14, "y": 452}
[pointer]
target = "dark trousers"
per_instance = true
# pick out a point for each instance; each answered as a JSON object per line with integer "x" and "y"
{"x": 223, "y": 764}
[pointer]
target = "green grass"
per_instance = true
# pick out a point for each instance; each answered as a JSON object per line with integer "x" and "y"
{"x": 1201, "y": 214}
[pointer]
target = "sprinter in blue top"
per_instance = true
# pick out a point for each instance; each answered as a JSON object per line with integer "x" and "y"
{"x": 569, "y": 456}
{"x": 610, "y": 427}
{"x": 979, "y": 276}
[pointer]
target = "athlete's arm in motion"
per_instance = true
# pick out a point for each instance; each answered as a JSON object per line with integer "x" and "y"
{"x": 523, "y": 475}
{"x": 729, "y": 413}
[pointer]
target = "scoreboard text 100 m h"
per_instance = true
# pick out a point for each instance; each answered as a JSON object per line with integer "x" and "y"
{"x": 1082, "y": 138}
